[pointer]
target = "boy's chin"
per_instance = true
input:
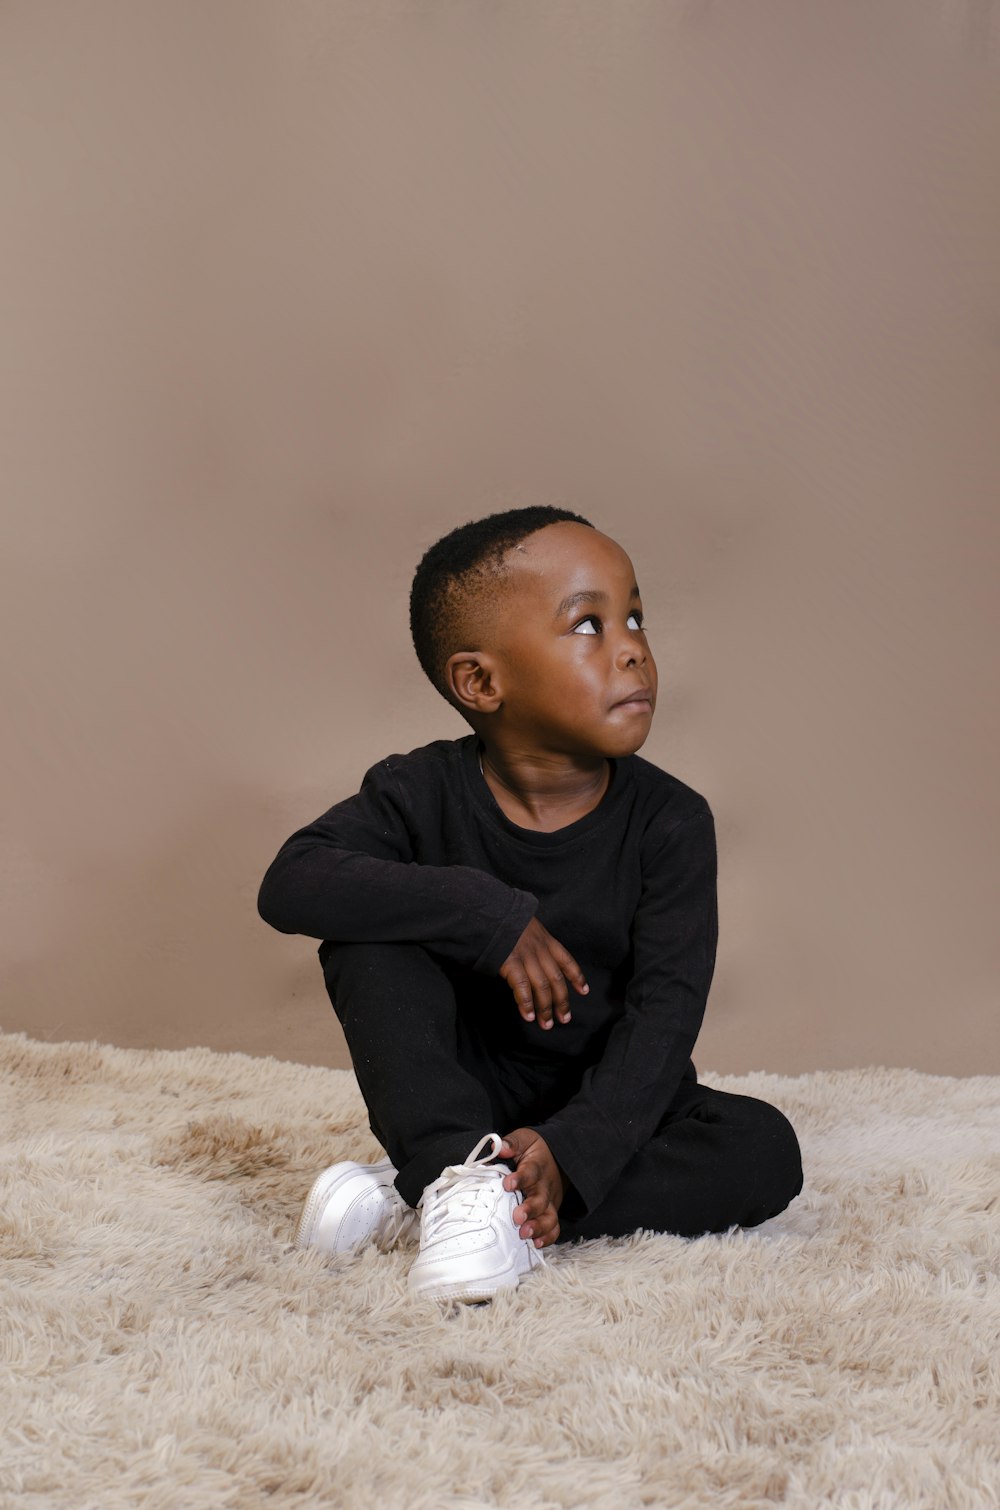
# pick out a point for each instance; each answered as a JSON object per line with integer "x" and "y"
{"x": 618, "y": 746}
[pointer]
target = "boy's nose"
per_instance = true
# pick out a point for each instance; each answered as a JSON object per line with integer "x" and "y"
{"x": 630, "y": 653}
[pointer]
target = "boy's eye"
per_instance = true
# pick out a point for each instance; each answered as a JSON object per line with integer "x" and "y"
{"x": 592, "y": 624}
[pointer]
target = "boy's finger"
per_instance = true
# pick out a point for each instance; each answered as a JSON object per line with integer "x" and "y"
{"x": 541, "y": 1229}
{"x": 541, "y": 995}
{"x": 528, "y": 1183}
{"x": 523, "y": 996}
{"x": 573, "y": 972}
{"x": 511, "y": 1150}
{"x": 527, "y": 1206}
{"x": 536, "y": 1220}
{"x": 560, "y": 992}
{"x": 543, "y": 1006}
{"x": 534, "y": 1210}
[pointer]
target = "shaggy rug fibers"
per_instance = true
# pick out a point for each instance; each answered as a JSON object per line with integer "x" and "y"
{"x": 165, "y": 1345}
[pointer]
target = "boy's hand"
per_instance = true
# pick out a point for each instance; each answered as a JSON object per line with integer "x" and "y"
{"x": 540, "y": 1181}
{"x": 537, "y": 969}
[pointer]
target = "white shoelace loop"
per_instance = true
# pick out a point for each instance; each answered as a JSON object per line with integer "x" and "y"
{"x": 398, "y": 1223}
{"x": 453, "y": 1198}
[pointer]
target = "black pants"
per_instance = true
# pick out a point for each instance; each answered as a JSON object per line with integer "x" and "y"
{"x": 433, "y": 1090}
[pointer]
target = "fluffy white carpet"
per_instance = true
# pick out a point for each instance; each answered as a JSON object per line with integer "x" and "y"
{"x": 164, "y": 1345}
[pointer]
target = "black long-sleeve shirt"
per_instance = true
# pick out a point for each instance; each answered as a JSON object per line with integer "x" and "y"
{"x": 423, "y": 853}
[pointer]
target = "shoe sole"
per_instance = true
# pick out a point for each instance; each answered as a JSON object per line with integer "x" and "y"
{"x": 323, "y": 1190}
{"x": 473, "y": 1290}
{"x": 463, "y": 1293}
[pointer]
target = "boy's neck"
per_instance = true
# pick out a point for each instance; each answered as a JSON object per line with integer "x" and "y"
{"x": 543, "y": 792}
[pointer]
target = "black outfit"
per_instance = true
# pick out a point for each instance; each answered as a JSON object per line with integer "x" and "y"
{"x": 419, "y": 887}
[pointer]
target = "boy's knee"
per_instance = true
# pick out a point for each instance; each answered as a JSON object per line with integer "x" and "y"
{"x": 781, "y": 1154}
{"x": 785, "y": 1139}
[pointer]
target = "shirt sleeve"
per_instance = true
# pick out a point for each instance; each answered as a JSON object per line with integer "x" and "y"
{"x": 625, "y": 1094}
{"x": 351, "y": 877}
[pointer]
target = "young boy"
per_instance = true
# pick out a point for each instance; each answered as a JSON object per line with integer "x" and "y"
{"x": 519, "y": 932}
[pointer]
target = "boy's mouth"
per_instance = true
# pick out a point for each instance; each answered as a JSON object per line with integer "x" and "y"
{"x": 640, "y": 698}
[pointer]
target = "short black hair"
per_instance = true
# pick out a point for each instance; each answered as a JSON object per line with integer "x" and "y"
{"x": 466, "y": 564}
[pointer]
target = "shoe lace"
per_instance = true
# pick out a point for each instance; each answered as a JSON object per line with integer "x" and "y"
{"x": 462, "y": 1191}
{"x": 397, "y": 1223}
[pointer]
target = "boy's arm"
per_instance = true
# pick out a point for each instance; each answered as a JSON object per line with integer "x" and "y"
{"x": 623, "y": 1097}
{"x": 350, "y": 877}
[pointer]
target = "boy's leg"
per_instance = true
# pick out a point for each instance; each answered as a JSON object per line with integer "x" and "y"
{"x": 717, "y": 1160}
{"x": 398, "y": 1008}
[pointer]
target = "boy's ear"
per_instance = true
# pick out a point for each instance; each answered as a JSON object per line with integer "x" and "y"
{"x": 472, "y": 676}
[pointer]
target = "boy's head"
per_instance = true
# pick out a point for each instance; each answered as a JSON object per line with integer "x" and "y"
{"x": 529, "y": 623}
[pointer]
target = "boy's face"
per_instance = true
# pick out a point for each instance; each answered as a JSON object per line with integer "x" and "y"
{"x": 572, "y": 665}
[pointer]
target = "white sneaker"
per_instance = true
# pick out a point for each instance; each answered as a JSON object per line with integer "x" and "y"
{"x": 351, "y": 1205}
{"x": 469, "y": 1245}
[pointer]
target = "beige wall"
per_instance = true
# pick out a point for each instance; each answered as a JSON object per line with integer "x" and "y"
{"x": 290, "y": 289}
